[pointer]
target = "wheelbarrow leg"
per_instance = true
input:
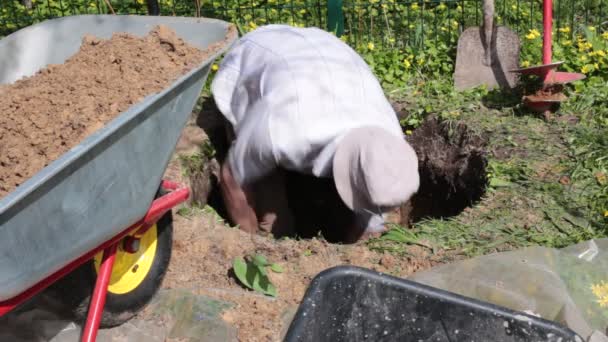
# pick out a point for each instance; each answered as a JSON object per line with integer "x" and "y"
{"x": 98, "y": 299}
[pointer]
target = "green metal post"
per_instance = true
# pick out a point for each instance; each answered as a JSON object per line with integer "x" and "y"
{"x": 335, "y": 17}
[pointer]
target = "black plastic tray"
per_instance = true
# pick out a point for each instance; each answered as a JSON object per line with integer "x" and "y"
{"x": 348, "y": 303}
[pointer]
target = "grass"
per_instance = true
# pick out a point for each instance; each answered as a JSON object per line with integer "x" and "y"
{"x": 546, "y": 179}
{"x": 194, "y": 162}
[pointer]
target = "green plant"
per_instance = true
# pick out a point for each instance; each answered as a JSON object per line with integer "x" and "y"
{"x": 196, "y": 161}
{"x": 252, "y": 273}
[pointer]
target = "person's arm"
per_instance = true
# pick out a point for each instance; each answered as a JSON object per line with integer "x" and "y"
{"x": 238, "y": 201}
{"x": 249, "y": 159}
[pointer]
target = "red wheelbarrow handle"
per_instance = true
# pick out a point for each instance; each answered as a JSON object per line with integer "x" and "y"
{"x": 159, "y": 207}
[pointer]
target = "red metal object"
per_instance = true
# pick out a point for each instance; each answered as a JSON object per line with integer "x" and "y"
{"x": 538, "y": 69}
{"x": 98, "y": 300}
{"x": 560, "y": 77}
{"x": 158, "y": 208}
{"x": 540, "y": 101}
{"x": 547, "y": 30}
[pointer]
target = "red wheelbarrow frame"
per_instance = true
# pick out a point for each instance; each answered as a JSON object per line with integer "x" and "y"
{"x": 159, "y": 207}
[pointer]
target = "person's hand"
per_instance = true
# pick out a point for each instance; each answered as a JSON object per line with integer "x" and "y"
{"x": 238, "y": 201}
{"x": 372, "y": 235}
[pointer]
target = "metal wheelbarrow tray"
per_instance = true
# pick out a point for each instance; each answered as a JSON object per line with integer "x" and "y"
{"x": 107, "y": 183}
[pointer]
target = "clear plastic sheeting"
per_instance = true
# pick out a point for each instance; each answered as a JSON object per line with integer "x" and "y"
{"x": 568, "y": 286}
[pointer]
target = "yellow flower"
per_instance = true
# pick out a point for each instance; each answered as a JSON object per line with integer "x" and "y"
{"x": 411, "y": 26}
{"x": 567, "y": 43}
{"x": 582, "y": 46}
{"x": 600, "y": 53}
{"x": 441, "y": 7}
{"x": 605, "y": 35}
{"x": 444, "y": 29}
{"x": 525, "y": 64}
{"x": 600, "y": 290}
{"x": 408, "y": 132}
{"x": 370, "y": 46}
{"x": 583, "y": 58}
{"x": 606, "y": 213}
{"x": 252, "y": 25}
{"x": 565, "y": 29}
{"x": 141, "y": 2}
{"x": 591, "y": 28}
{"x": 214, "y": 67}
{"x": 407, "y": 63}
{"x": 533, "y": 34}
{"x": 454, "y": 24}
{"x": 420, "y": 61}
{"x": 458, "y": 8}
{"x": 596, "y": 66}
{"x": 391, "y": 40}
{"x": 344, "y": 38}
{"x": 414, "y": 6}
{"x": 513, "y": 7}
{"x": 303, "y": 11}
{"x": 586, "y": 69}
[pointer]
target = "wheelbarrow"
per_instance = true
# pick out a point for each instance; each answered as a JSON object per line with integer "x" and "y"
{"x": 98, "y": 219}
{"x": 347, "y": 303}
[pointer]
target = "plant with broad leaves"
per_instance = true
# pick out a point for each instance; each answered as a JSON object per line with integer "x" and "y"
{"x": 252, "y": 273}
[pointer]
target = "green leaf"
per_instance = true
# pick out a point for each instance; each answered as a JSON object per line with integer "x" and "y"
{"x": 240, "y": 270}
{"x": 253, "y": 277}
{"x": 260, "y": 260}
{"x": 276, "y": 268}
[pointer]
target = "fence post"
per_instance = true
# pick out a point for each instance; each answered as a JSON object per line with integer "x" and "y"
{"x": 335, "y": 17}
{"x": 153, "y": 8}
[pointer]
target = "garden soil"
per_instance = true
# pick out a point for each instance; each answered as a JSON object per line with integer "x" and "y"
{"x": 205, "y": 247}
{"x": 45, "y": 115}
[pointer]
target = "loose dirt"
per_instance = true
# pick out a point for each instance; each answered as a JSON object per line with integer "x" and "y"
{"x": 205, "y": 245}
{"x": 452, "y": 168}
{"x": 45, "y": 115}
{"x": 204, "y": 248}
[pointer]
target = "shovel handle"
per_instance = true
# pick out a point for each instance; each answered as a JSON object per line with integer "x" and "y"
{"x": 488, "y": 27}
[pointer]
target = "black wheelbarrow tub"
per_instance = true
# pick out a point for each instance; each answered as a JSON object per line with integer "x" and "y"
{"x": 354, "y": 304}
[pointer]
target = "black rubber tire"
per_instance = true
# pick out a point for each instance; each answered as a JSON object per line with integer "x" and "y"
{"x": 75, "y": 289}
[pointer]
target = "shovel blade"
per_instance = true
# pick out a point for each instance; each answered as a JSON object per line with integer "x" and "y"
{"x": 470, "y": 70}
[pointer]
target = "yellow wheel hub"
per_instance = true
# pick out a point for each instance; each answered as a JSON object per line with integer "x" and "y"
{"x": 130, "y": 269}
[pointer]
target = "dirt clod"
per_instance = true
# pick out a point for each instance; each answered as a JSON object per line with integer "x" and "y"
{"x": 45, "y": 115}
{"x": 452, "y": 165}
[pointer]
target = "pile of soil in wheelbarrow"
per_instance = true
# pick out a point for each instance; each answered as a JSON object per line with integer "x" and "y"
{"x": 45, "y": 115}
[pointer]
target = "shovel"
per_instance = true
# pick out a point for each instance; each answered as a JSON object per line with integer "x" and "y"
{"x": 486, "y": 54}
